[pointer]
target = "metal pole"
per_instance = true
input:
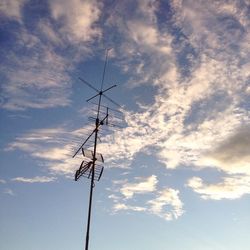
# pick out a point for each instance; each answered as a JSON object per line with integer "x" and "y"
{"x": 97, "y": 124}
{"x": 92, "y": 185}
{"x": 90, "y": 206}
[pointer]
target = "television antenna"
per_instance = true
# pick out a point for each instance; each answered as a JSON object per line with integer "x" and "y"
{"x": 92, "y": 165}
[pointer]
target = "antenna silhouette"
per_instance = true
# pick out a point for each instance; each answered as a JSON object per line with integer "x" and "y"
{"x": 92, "y": 167}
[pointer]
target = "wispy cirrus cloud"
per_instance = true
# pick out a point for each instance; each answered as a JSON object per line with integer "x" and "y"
{"x": 203, "y": 24}
{"x": 54, "y": 147}
{"x": 2, "y": 181}
{"x": 8, "y": 191}
{"x": 231, "y": 187}
{"x": 121, "y": 206}
{"x": 76, "y": 19}
{"x": 50, "y": 33}
{"x": 143, "y": 185}
{"x": 36, "y": 179}
{"x": 145, "y": 195}
{"x": 35, "y": 79}
{"x": 167, "y": 197}
{"x": 12, "y": 8}
{"x": 36, "y": 73}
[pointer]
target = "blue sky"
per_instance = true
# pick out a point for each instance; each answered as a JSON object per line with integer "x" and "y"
{"x": 177, "y": 172}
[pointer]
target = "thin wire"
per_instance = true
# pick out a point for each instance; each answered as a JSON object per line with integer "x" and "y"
{"x": 104, "y": 70}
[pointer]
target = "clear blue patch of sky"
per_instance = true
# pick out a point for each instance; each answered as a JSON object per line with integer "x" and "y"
{"x": 41, "y": 212}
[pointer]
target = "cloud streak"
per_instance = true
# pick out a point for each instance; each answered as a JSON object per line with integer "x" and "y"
{"x": 8, "y": 191}
{"x": 167, "y": 197}
{"x": 2, "y": 181}
{"x": 12, "y": 8}
{"x": 144, "y": 185}
{"x": 233, "y": 187}
{"x": 77, "y": 19}
{"x": 54, "y": 147}
{"x": 36, "y": 179}
{"x": 37, "y": 79}
{"x": 164, "y": 203}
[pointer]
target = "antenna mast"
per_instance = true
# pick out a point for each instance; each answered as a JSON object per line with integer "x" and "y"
{"x": 91, "y": 169}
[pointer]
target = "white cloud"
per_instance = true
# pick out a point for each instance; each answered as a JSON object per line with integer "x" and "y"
{"x": 141, "y": 32}
{"x": 77, "y": 19}
{"x": 232, "y": 187}
{"x": 248, "y": 90}
{"x": 47, "y": 29}
{"x": 114, "y": 197}
{"x": 167, "y": 197}
{"x": 215, "y": 28}
{"x": 148, "y": 8}
{"x": 2, "y": 181}
{"x": 12, "y": 8}
{"x": 165, "y": 203}
{"x": 142, "y": 186}
{"x": 8, "y": 191}
{"x": 28, "y": 147}
{"x": 148, "y": 37}
{"x": 121, "y": 206}
{"x": 146, "y": 196}
{"x": 36, "y": 179}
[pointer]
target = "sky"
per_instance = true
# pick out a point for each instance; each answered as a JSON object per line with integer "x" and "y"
{"x": 177, "y": 162}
